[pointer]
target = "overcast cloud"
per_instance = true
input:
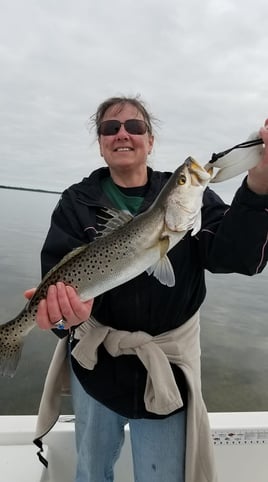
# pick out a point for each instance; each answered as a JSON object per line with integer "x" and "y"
{"x": 201, "y": 67}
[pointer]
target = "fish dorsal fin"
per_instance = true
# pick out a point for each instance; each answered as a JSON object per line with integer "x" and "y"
{"x": 113, "y": 219}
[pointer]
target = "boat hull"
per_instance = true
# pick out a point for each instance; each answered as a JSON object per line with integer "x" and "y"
{"x": 240, "y": 442}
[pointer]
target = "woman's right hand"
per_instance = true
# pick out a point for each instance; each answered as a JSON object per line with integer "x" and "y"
{"x": 62, "y": 302}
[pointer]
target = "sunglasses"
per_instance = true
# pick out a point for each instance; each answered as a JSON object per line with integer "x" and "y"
{"x": 137, "y": 127}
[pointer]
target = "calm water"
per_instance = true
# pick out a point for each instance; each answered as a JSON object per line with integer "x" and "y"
{"x": 234, "y": 321}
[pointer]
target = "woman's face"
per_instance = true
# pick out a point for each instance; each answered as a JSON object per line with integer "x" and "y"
{"x": 125, "y": 150}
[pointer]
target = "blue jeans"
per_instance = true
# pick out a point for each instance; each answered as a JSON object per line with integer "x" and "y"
{"x": 158, "y": 445}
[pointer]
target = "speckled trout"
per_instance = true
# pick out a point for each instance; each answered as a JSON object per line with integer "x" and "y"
{"x": 127, "y": 247}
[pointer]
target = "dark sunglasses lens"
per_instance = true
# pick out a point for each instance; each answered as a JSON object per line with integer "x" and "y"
{"x": 132, "y": 126}
{"x": 109, "y": 127}
{"x": 135, "y": 126}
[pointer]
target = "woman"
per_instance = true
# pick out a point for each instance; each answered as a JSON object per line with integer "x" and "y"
{"x": 112, "y": 394}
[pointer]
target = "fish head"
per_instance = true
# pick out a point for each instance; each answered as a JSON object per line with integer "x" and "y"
{"x": 184, "y": 200}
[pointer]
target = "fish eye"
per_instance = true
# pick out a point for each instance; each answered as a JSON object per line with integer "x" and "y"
{"x": 182, "y": 180}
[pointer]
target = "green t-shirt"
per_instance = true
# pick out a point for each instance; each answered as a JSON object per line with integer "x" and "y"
{"x": 125, "y": 199}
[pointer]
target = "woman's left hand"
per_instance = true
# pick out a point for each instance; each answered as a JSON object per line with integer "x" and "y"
{"x": 61, "y": 302}
{"x": 258, "y": 176}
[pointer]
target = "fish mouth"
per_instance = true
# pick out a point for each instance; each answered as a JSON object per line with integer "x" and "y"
{"x": 198, "y": 173}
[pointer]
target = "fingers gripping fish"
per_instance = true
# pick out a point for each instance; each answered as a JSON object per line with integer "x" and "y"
{"x": 128, "y": 247}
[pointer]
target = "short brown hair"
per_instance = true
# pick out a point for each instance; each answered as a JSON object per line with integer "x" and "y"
{"x": 121, "y": 102}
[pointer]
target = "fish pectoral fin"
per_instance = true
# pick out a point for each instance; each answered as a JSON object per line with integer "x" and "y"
{"x": 163, "y": 271}
{"x": 163, "y": 245}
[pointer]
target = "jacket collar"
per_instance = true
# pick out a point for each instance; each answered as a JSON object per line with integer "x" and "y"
{"x": 89, "y": 190}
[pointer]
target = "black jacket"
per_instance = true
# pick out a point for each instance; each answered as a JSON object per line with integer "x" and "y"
{"x": 231, "y": 239}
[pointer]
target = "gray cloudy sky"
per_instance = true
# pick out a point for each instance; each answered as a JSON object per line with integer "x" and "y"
{"x": 201, "y": 67}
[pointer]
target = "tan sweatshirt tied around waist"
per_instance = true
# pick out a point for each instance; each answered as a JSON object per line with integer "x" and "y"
{"x": 180, "y": 346}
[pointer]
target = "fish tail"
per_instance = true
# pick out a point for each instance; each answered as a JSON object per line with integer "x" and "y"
{"x": 11, "y": 344}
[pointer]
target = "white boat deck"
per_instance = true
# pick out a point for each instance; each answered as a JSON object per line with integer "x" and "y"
{"x": 240, "y": 442}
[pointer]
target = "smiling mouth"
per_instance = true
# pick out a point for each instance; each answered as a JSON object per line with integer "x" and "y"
{"x": 123, "y": 149}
